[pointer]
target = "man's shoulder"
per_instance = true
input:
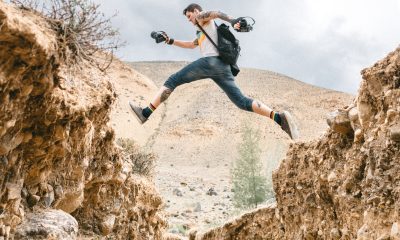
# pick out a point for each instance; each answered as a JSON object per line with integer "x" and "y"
{"x": 204, "y": 17}
{"x": 205, "y": 23}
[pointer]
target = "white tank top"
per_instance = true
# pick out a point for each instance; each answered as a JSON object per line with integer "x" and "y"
{"x": 207, "y": 49}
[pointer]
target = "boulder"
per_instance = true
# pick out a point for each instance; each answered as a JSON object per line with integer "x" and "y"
{"x": 339, "y": 121}
{"x": 48, "y": 224}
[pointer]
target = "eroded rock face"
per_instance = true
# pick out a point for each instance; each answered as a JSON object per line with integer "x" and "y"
{"x": 56, "y": 149}
{"x": 345, "y": 185}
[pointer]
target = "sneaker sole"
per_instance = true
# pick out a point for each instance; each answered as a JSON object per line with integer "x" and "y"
{"x": 134, "y": 113}
{"x": 292, "y": 126}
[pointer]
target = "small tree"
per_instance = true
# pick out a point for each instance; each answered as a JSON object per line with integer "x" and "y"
{"x": 249, "y": 184}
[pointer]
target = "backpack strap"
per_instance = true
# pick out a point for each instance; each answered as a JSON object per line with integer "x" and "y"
{"x": 209, "y": 38}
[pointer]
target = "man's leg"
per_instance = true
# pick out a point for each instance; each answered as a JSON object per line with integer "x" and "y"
{"x": 262, "y": 109}
{"x": 143, "y": 114}
{"x": 227, "y": 84}
{"x": 194, "y": 71}
{"x": 162, "y": 95}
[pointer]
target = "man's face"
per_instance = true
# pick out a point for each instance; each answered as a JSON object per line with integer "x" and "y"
{"x": 191, "y": 16}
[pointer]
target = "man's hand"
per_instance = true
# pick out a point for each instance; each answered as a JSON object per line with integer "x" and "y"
{"x": 236, "y": 23}
{"x": 236, "y": 26}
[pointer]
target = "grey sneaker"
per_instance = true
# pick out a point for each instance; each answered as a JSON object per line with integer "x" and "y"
{"x": 288, "y": 125}
{"x": 137, "y": 112}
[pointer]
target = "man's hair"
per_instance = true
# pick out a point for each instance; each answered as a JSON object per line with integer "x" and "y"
{"x": 191, "y": 8}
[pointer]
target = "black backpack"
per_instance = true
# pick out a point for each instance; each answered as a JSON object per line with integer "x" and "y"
{"x": 228, "y": 46}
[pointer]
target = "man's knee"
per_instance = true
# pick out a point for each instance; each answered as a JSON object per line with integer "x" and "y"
{"x": 244, "y": 103}
{"x": 172, "y": 82}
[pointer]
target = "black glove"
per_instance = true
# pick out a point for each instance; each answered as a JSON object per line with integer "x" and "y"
{"x": 168, "y": 40}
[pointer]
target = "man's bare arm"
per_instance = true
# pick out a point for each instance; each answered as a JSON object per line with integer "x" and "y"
{"x": 186, "y": 44}
{"x": 209, "y": 15}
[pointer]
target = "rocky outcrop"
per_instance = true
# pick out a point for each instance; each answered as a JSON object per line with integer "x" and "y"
{"x": 259, "y": 224}
{"x": 56, "y": 148}
{"x": 345, "y": 185}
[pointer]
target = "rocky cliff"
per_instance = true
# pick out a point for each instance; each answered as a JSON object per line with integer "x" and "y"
{"x": 62, "y": 177}
{"x": 59, "y": 166}
{"x": 344, "y": 185}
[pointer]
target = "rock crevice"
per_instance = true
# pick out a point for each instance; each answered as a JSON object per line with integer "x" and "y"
{"x": 344, "y": 185}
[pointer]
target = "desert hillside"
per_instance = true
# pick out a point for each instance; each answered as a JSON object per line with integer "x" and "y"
{"x": 197, "y": 137}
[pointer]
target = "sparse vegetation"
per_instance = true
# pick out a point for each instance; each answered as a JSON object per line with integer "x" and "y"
{"x": 182, "y": 228}
{"x": 83, "y": 32}
{"x": 143, "y": 162}
{"x": 249, "y": 184}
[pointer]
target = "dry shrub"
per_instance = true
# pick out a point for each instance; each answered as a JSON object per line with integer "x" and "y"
{"x": 83, "y": 32}
{"x": 143, "y": 162}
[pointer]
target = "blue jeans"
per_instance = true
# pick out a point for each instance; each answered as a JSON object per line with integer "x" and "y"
{"x": 219, "y": 72}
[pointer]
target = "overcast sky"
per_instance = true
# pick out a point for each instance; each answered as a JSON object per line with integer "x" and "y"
{"x": 326, "y": 43}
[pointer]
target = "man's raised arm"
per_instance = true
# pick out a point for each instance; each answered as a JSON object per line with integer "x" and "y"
{"x": 210, "y": 15}
{"x": 179, "y": 43}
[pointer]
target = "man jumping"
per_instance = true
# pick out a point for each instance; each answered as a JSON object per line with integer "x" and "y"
{"x": 210, "y": 66}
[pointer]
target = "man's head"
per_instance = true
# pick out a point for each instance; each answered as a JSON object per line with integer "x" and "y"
{"x": 192, "y": 11}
